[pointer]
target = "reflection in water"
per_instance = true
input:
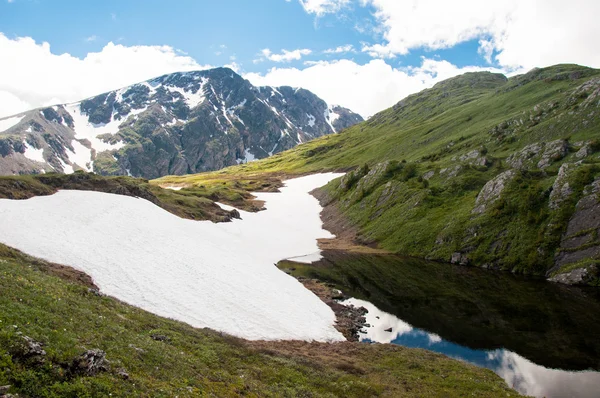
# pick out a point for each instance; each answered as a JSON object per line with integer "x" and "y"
{"x": 518, "y": 372}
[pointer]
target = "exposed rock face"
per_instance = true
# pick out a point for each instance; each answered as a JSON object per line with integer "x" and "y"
{"x": 175, "y": 124}
{"x": 373, "y": 177}
{"x": 474, "y": 158}
{"x": 553, "y": 151}
{"x": 544, "y": 153}
{"x": 580, "y": 243}
{"x": 561, "y": 189}
{"x": 491, "y": 191}
{"x": 578, "y": 276}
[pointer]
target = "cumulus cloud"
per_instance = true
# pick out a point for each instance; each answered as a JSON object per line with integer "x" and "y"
{"x": 32, "y": 76}
{"x": 285, "y": 55}
{"x": 366, "y": 88}
{"x": 512, "y": 33}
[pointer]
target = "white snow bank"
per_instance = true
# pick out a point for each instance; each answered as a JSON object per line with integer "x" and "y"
{"x": 5, "y": 124}
{"x": 220, "y": 276}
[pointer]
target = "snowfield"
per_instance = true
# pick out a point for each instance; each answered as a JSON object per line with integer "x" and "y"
{"x": 220, "y": 276}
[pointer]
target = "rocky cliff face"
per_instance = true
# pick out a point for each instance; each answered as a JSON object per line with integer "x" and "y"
{"x": 175, "y": 124}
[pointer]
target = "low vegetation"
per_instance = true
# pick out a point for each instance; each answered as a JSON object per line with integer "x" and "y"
{"x": 47, "y": 322}
{"x": 418, "y": 168}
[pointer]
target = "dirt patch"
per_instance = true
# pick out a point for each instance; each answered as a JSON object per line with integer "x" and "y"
{"x": 347, "y": 236}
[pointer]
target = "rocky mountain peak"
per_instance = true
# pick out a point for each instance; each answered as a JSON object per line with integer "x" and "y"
{"x": 178, "y": 123}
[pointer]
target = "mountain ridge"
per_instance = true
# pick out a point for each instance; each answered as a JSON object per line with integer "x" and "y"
{"x": 177, "y": 123}
{"x": 497, "y": 172}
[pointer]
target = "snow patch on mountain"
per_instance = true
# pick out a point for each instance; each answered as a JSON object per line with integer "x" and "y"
{"x": 248, "y": 157}
{"x": 192, "y": 99}
{"x": 34, "y": 153}
{"x": 81, "y": 156}
{"x": 84, "y": 129}
{"x": 208, "y": 275}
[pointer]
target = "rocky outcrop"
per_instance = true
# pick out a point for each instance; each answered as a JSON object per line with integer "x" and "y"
{"x": 578, "y": 276}
{"x": 491, "y": 191}
{"x": 579, "y": 250}
{"x": 553, "y": 151}
{"x": 175, "y": 124}
{"x": 540, "y": 155}
{"x": 475, "y": 157}
{"x": 561, "y": 189}
{"x": 90, "y": 363}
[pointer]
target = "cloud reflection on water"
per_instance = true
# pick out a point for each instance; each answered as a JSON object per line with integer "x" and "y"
{"x": 518, "y": 372}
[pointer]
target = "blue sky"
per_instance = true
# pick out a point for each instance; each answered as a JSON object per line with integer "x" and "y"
{"x": 209, "y": 31}
{"x": 387, "y": 49}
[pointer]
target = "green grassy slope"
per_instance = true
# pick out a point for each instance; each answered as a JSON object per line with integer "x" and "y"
{"x": 68, "y": 319}
{"x": 420, "y": 165}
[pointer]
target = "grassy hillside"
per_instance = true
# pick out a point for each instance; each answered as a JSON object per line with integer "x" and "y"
{"x": 420, "y": 166}
{"x": 64, "y": 317}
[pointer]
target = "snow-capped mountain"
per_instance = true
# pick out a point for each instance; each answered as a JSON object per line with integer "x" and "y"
{"x": 175, "y": 124}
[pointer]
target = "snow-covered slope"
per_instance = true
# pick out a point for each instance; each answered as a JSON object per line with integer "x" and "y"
{"x": 175, "y": 124}
{"x": 220, "y": 276}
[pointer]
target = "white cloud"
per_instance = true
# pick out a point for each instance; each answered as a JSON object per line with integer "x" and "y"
{"x": 321, "y": 7}
{"x": 513, "y": 33}
{"x": 285, "y": 55}
{"x": 32, "y": 76}
{"x": 378, "y": 51}
{"x": 91, "y": 38}
{"x": 365, "y": 89}
{"x": 340, "y": 49}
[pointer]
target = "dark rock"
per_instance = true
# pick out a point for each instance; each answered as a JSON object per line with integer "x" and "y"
{"x": 123, "y": 373}
{"x": 235, "y": 214}
{"x": 388, "y": 330}
{"x": 95, "y": 292}
{"x": 31, "y": 348}
{"x": 90, "y": 363}
{"x": 159, "y": 337}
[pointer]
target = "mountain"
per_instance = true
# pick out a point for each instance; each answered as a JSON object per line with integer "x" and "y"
{"x": 481, "y": 169}
{"x": 175, "y": 124}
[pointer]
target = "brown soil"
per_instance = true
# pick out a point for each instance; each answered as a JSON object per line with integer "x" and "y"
{"x": 347, "y": 236}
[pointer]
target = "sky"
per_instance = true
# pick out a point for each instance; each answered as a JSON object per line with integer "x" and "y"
{"x": 362, "y": 54}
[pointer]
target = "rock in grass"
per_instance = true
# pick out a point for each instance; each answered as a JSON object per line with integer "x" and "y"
{"x": 491, "y": 191}
{"x": 90, "y": 363}
{"x": 123, "y": 373}
{"x": 31, "y": 349}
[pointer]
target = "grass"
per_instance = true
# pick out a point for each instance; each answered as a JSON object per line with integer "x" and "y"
{"x": 68, "y": 319}
{"x": 430, "y": 216}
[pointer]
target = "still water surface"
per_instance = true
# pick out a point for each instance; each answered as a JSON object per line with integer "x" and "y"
{"x": 542, "y": 338}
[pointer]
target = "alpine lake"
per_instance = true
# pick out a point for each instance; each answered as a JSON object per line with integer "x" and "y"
{"x": 542, "y": 338}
